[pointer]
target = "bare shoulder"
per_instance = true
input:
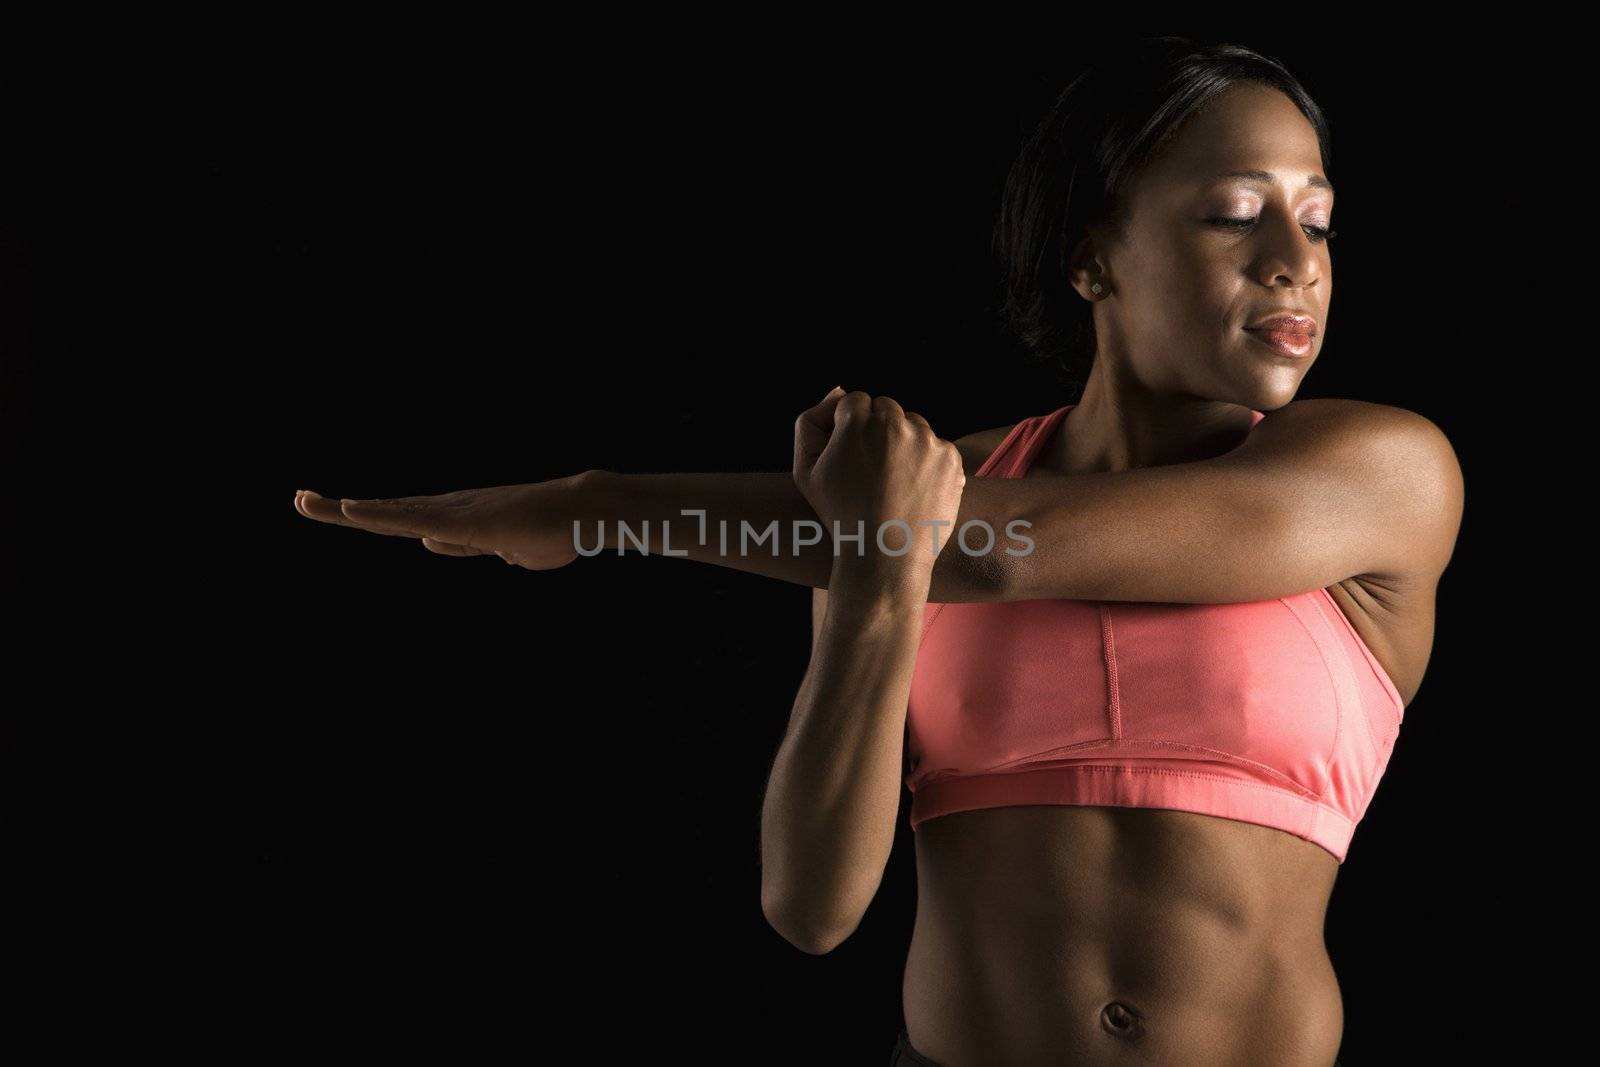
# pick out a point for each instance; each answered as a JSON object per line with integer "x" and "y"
{"x": 1405, "y": 468}
{"x": 1384, "y": 431}
{"x": 1402, "y": 461}
{"x": 1375, "y": 422}
{"x": 1403, "y": 455}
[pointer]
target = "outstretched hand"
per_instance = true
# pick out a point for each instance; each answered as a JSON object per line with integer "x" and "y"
{"x": 525, "y": 525}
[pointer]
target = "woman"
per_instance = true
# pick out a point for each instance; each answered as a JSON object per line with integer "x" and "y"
{"x": 1140, "y": 738}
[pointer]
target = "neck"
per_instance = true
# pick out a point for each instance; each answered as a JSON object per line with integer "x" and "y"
{"x": 1105, "y": 433}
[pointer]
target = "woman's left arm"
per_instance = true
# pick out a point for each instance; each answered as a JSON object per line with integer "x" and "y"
{"x": 1320, "y": 491}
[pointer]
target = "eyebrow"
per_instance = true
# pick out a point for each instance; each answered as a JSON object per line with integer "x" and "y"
{"x": 1314, "y": 181}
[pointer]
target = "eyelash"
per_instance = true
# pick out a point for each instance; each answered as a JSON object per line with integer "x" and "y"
{"x": 1318, "y": 233}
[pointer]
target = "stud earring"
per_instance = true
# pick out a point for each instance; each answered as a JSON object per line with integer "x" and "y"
{"x": 1095, "y": 288}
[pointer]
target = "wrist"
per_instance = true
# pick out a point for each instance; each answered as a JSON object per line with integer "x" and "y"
{"x": 587, "y": 493}
{"x": 881, "y": 578}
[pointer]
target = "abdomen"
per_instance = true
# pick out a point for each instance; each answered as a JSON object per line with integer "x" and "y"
{"x": 1050, "y": 934}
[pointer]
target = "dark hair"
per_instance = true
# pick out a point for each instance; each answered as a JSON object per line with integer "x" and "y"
{"x": 1109, "y": 121}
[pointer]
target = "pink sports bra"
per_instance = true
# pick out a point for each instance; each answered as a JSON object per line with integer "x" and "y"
{"x": 1271, "y": 712}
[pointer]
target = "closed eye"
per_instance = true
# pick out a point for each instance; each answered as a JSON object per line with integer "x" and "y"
{"x": 1316, "y": 233}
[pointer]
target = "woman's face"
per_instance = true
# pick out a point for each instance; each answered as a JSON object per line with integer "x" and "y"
{"x": 1183, "y": 282}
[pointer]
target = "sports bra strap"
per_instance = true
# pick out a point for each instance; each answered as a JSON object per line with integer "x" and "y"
{"x": 1021, "y": 445}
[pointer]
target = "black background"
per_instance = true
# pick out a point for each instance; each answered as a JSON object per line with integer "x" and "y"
{"x": 480, "y": 808}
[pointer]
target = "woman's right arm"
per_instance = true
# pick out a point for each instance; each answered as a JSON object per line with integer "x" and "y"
{"x": 828, "y": 817}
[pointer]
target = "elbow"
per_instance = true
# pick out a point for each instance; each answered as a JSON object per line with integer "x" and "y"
{"x": 987, "y": 577}
{"x": 811, "y": 939}
{"x": 1004, "y": 578}
{"x": 814, "y": 930}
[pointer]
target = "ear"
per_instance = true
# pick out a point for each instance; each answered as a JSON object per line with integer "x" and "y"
{"x": 1086, "y": 267}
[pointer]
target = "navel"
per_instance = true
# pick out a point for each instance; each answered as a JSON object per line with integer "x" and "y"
{"x": 1121, "y": 1019}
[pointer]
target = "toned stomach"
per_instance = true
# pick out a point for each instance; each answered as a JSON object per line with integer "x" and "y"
{"x": 1100, "y": 935}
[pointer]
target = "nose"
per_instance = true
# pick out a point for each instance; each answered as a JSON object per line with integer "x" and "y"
{"x": 1287, "y": 255}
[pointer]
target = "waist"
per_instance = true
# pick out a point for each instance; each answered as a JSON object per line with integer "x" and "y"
{"x": 1084, "y": 933}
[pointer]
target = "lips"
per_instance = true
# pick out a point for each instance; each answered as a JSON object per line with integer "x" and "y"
{"x": 1285, "y": 323}
{"x": 1286, "y": 342}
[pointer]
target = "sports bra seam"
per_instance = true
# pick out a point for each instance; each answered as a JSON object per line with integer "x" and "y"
{"x": 1108, "y": 648}
{"x": 1390, "y": 689}
{"x": 1279, "y": 790}
{"x": 1285, "y": 783}
{"x": 1366, "y": 720}
{"x": 1333, "y": 685}
{"x": 927, "y": 626}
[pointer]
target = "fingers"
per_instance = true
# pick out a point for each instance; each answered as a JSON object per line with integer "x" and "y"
{"x": 815, "y": 426}
{"x": 313, "y": 506}
{"x": 323, "y": 509}
{"x": 812, "y": 430}
{"x": 887, "y": 406}
{"x": 450, "y": 518}
{"x": 445, "y": 548}
{"x": 852, "y": 406}
{"x": 880, "y": 412}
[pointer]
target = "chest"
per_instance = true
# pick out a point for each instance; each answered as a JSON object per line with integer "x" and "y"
{"x": 1278, "y": 686}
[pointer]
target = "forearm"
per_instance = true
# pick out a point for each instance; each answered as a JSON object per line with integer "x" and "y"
{"x": 1215, "y": 531}
{"x": 828, "y": 816}
{"x": 747, "y": 521}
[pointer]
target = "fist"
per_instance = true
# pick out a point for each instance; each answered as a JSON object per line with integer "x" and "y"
{"x": 863, "y": 461}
